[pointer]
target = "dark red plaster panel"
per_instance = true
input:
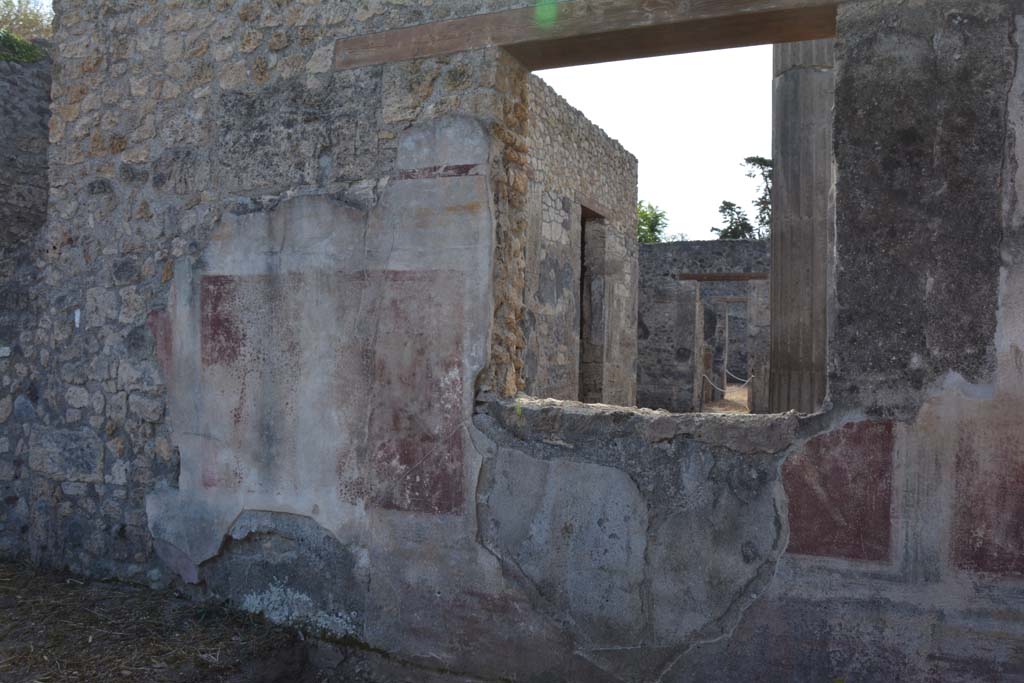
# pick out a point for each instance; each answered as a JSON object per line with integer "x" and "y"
{"x": 415, "y": 430}
{"x": 453, "y": 171}
{"x": 988, "y": 524}
{"x": 392, "y": 347}
{"x": 840, "y": 493}
{"x": 222, "y": 335}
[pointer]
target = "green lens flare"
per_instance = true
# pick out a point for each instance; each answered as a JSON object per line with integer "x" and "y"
{"x": 546, "y": 13}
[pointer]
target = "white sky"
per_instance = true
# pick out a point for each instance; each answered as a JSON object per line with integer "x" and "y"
{"x": 689, "y": 119}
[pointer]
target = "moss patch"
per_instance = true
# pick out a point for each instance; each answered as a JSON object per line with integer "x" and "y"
{"x": 15, "y": 49}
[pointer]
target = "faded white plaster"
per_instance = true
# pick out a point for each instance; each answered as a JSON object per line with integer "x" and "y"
{"x": 280, "y": 422}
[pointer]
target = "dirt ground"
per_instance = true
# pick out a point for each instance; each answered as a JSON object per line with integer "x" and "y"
{"x": 55, "y": 627}
{"x": 735, "y": 401}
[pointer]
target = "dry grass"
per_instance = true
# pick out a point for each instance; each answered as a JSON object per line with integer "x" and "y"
{"x": 54, "y": 627}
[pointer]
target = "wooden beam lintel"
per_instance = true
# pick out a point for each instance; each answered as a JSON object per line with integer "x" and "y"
{"x": 587, "y": 31}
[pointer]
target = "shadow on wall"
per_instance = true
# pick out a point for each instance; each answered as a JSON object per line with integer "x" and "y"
{"x": 24, "y": 120}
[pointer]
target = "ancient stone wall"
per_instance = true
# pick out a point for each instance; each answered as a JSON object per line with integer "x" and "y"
{"x": 758, "y": 321}
{"x": 269, "y": 291}
{"x": 577, "y": 173}
{"x": 170, "y": 122}
{"x": 24, "y": 116}
{"x": 25, "y": 112}
{"x": 671, "y": 338}
{"x": 265, "y": 309}
{"x": 670, "y": 366}
{"x": 906, "y": 557}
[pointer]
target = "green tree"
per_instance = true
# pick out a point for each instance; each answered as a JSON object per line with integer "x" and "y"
{"x": 736, "y": 224}
{"x": 651, "y": 223}
{"x": 25, "y": 19}
{"x": 15, "y": 49}
{"x": 760, "y": 169}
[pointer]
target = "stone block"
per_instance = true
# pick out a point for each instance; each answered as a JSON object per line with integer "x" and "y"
{"x": 74, "y": 455}
{"x": 289, "y": 569}
{"x": 77, "y": 397}
{"x": 577, "y": 532}
{"x": 148, "y": 408}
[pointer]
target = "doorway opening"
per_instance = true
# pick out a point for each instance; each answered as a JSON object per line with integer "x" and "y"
{"x": 707, "y": 334}
{"x": 592, "y": 305}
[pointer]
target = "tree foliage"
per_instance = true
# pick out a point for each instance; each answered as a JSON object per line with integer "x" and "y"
{"x": 15, "y": 49}
{"x": 736, "y": 223}
{"x": 25, "y": 19}
{"x": 651, "y": 223}
{"x": 760, "y": 169}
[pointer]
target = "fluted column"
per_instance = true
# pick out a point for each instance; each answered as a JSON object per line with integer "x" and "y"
{"x": 802, "y": 224}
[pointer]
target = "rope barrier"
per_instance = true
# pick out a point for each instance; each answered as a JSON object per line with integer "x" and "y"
{"x": 739, "y": 379}
{"x": 708, "y": 380}
{"x": 718, "y": 388}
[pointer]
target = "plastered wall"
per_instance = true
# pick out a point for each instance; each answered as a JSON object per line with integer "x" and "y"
{"x": 905, "y": 550}
{"x": 188, "y": 409}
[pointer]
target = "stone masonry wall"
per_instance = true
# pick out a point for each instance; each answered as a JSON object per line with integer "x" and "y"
{"x": 670, "y": 346}
{"x": 220, "y": 199}
{"x": 573, "y": 165}
{"x": 906, "y": 554}
{"x": 167, "y": 119}
{"x": 24, "y": 114}
{"x": 264, "y": 310}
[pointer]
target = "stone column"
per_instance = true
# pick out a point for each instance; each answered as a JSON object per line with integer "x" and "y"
{"x": 802, "y": 224}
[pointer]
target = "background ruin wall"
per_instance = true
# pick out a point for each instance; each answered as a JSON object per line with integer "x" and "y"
{"x": 677, "y": 314}
{"x": 576, "y": 167}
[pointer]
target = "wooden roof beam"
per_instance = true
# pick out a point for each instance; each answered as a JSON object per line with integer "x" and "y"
{"x": 572, "y": 32}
